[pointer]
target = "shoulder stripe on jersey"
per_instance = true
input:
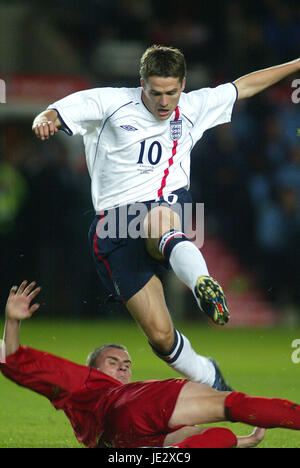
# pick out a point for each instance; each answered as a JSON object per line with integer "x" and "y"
{"x": 171, "y": 161}
{"x": 188, "y": 119}
{"x": 123, "y": 105}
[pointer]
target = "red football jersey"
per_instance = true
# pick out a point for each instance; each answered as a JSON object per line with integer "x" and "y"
{"x": 103, "y": 412}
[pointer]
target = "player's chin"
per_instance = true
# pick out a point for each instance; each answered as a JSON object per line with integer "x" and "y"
{"x": 123, "y": 379}
{"x": 163, "y": 115}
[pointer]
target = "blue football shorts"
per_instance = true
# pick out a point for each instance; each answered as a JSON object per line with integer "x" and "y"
{"x": 122, "y": 261}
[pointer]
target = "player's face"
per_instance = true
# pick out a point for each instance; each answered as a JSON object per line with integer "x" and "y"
{"x": 161, "y": 95}
{"x": 116, "y": 363}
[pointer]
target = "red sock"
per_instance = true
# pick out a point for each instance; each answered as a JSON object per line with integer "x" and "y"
{"x": 214, "y": 437}
{"x": 262, "y": 412}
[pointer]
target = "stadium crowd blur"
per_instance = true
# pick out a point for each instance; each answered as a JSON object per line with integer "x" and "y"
{"x": 247, "y": 173}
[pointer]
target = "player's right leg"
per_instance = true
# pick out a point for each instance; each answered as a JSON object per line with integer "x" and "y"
{"x": 150, "y": 311}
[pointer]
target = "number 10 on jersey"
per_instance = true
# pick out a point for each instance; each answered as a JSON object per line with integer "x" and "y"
{"x": 153, "y": 155}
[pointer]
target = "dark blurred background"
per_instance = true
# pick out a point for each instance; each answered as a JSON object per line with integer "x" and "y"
{"x": 247, "y": 173}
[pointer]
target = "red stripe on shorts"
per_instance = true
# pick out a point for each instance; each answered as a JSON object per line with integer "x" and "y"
{"x": 103, "y": 260}
{"x": 96, "y": 249}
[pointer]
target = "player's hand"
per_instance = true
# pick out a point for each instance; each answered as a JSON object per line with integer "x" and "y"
{"x": 45, "y": 129}
{"x": 253, "y": 439}
{"x": 18, "y": 306}
{"x": 46, "y": 124}
{"x": 258, "y": 435}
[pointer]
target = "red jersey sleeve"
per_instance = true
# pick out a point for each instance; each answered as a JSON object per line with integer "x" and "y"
{"x": 44, "y": 373}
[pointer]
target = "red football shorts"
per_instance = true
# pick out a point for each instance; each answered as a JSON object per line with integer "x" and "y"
{"x": 155, "y": 401}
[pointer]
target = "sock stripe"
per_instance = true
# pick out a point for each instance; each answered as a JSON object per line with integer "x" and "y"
{"x": 177, "y": 234}
{"x": 169, "y": 357}
{"x": 167, "y": 237}
{"x": 183, "y": 359}
{"x": 176, "y": 356}
{"x": 161, "y": 354}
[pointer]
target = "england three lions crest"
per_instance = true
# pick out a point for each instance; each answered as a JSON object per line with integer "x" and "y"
{"x": 175, "y": 129}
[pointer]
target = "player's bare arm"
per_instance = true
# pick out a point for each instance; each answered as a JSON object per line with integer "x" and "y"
{"x": 253, "y": 83}
{"x": 46, "y": 124}
{"x": 18, "y": 307}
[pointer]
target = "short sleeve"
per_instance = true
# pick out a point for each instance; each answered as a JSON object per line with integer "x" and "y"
{"x": 82, "y": 111}
{"x": 211, "y": 106}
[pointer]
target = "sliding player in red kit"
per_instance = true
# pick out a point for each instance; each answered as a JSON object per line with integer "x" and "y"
{"x": 105, "y": 410}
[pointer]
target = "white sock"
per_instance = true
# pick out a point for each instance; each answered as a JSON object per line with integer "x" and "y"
{"x": 188, "y": 363}
{"x": 188, "y": 263}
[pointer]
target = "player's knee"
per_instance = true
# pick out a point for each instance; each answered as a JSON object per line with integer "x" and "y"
{"x": 160, "y": 220}
{"x": 162, "y": 340}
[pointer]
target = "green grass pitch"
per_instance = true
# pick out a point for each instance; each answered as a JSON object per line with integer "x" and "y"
{"x": 254, "y": 361}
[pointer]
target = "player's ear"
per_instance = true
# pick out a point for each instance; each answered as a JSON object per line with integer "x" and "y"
{"x": 142, "y": 83}
{"x": 183, "y": 84}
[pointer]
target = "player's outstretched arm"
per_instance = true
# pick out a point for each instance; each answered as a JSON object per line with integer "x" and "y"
{"x": 253, "y": 83}
{"x": 18, "y": 307}
{"x": 46, "y": 124}
{"x": 45, "y": 373}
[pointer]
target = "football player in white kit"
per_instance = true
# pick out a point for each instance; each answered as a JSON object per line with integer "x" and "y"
{"x": 138, "y": 143}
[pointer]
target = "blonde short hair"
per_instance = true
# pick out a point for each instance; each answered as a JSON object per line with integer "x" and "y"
{"x": 93, "y": 356}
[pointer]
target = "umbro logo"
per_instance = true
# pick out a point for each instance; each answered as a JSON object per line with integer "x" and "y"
{"x": 129, "y": 128}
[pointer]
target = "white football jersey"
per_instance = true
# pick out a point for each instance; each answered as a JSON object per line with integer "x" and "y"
{"x": 132, "y": 156}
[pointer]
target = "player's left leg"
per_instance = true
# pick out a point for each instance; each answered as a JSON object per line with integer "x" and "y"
{"x": 166, "y": 241}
